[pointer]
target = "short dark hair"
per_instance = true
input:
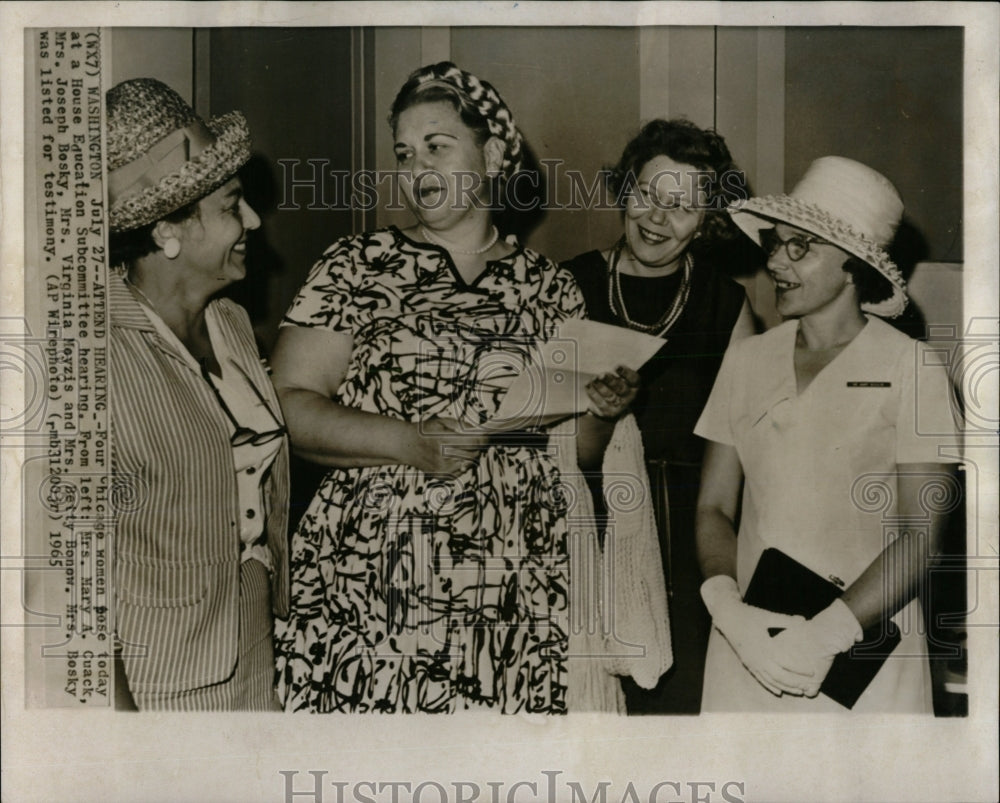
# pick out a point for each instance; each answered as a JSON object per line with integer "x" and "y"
{"x": 127, "y": 246}
{"x": 686, "y": 143}
{"x": 870, "y": 285}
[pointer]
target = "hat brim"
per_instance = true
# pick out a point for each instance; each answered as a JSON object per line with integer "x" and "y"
{"x": 756, "y": 214}
{"x": 203, "y": 174}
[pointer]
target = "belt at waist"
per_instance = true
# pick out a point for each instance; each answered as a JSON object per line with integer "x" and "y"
{"x": 662, "y": 462}
{"x": 529, "y": 439}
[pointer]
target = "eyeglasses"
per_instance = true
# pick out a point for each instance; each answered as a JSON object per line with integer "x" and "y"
{"x": 243, "y": 435}
{"x": 796, "y": 246}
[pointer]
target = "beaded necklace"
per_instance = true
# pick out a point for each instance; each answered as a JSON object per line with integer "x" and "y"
{"x": 617, "y": 301}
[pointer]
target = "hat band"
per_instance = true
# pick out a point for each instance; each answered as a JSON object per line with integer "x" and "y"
{"x": 167, "y": 156}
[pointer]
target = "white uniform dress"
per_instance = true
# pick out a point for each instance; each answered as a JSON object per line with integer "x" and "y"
{"x": 820, "y": 483}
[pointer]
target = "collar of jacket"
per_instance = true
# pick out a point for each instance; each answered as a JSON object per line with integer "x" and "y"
{"x": 124, "y": 308}
{"x": 127, "y": 312}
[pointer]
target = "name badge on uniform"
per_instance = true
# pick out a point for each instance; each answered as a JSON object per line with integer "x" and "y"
{"x": 869, "y": 384}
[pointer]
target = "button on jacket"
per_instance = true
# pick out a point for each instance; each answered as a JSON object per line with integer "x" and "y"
{"x": 177, "y": 535}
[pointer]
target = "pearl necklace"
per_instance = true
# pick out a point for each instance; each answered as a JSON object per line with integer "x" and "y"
{"x": 435, "y": 241}
{"x": 616, "y": 301}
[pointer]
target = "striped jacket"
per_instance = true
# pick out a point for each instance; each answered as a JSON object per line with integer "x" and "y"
{"x": 177, "y": 542}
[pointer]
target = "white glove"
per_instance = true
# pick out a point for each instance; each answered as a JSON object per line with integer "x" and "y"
{"x": 745, "y": 628}
{"x": 810, "y": 647}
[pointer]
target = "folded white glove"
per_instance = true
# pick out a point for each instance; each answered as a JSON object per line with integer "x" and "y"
{"x": 810, "y": 647}
{"x": 746, "y": 629}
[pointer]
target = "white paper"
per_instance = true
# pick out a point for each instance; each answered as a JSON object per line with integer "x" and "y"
{"x": 554, "y": 383}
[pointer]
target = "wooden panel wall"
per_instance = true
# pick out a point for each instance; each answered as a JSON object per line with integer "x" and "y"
{"x": 578, "y": 94}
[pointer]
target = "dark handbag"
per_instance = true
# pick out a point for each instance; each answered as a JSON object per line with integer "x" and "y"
{"x": 783, "y": 585}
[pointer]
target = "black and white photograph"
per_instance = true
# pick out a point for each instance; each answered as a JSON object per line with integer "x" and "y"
{"x": 617, "y": 380}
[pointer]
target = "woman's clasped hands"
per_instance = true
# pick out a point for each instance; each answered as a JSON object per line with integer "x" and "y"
{"x": 748, "y": 631}
{"x": 809, "y": 647}
{"x": 794, "y": 661}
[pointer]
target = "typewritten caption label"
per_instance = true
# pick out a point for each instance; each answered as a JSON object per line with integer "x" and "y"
{"x": 68, "y": 489}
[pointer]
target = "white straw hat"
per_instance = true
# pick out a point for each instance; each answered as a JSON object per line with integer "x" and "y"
{"x": 847, "y": 204}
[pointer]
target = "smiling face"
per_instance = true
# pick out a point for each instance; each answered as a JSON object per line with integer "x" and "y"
{"x": 213, "y": 242}
{"x": 440, "y": 165}
{"x": 662, "y": 215}
{"x": 815, "y": 282}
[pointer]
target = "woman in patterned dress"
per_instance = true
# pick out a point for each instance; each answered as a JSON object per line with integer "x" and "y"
{"x": 431, "y": 570}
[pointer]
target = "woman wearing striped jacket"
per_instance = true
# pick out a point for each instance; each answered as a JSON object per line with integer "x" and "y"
{"x": 198, "y": 438}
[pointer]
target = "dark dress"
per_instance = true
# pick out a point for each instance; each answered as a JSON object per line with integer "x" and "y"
{"x": 675, "y": 386}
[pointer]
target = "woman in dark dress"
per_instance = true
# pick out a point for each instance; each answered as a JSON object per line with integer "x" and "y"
{"x": 673, "y": 181}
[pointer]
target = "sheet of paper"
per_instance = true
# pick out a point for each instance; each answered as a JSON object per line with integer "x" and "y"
{"x": 553, "y": 385}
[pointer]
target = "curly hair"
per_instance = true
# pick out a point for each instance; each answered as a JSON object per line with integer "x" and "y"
{"x": 870, "y": 285}
{"x": 685, "y": 143}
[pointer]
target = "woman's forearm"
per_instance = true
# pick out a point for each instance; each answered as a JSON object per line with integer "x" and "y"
{"x": 592, "y": 437}
{"x": 895, "y": 576}
{"x": 716, "y": 543}
{"x": 891, "y": 580}
{"x": 718, "y": 501}
{"x": 331, "y": 434}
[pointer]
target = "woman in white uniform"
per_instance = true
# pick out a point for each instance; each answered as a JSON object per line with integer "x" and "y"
{"x": 841, "y": 433}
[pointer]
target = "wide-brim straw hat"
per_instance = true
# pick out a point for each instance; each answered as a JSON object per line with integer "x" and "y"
{"x": 845, "y": 203}
{"x": 161, "y": 155}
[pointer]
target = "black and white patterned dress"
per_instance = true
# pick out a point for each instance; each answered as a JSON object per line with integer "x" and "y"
{"x": 417, "y": 593}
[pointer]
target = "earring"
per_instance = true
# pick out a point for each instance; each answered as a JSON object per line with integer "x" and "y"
{"x": 171, "y": 248}
{"x": 697, "y": 234}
